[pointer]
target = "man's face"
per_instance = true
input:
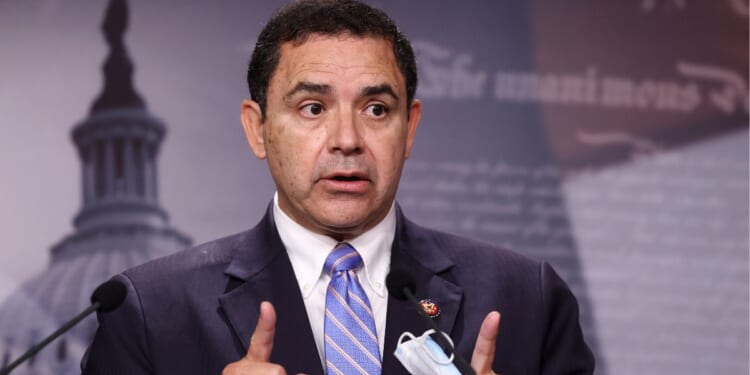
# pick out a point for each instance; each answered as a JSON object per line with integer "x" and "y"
{"x": 336, "y": 132}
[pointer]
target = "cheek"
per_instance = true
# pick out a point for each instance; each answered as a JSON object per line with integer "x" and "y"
{"x": 389, "y": 162}
{"x": 294, "y": 159}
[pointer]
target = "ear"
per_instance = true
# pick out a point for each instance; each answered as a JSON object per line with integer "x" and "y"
{"x": 415, "y": 113}
{"x": 252, "y": 123}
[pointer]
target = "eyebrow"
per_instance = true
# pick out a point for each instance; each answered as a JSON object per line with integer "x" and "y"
{"x": 310, "y": 87}
{"x": 378, "y": 90}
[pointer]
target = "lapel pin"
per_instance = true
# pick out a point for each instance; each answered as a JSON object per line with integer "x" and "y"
{"x": 430, "y": 308}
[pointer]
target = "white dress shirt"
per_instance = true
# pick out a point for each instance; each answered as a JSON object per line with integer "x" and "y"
{"x": 307, "y": 252}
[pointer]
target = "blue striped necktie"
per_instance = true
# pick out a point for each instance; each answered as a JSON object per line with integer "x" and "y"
{"x": 351, "y": 343}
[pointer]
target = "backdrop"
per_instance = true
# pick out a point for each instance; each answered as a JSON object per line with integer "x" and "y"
{"x": 609, "y": 138}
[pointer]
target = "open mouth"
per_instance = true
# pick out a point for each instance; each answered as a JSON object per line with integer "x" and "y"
{"x": 346, "y": 178}
{"x": 346, "y": 182}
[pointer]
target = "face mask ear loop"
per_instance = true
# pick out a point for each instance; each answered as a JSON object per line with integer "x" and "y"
{"x": 423, "y": 346}
{"x": 405, "y": 334}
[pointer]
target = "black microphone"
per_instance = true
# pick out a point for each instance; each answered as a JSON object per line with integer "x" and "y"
{"x": 402, "y": 286}
{"x": 105, "y": 298}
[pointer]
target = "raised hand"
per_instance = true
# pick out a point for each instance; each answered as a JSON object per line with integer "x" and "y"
{"x": 256, "y": 361}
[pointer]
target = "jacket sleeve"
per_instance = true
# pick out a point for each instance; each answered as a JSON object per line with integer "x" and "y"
{"x": 120, "y": 344}
{"x": 564, "y": 350}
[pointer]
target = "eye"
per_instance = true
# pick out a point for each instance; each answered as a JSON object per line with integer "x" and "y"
{"x": 376, "y": 110}
{"x": 312, "y": 110}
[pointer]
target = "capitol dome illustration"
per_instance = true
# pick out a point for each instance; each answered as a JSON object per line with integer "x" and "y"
{"x": 119, "y": 225}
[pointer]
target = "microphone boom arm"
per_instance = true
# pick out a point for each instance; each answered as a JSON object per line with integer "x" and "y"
{"x": 39, "y": 346}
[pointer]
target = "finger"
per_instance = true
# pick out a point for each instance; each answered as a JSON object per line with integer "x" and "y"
{"x": 246, "y": 367}
{"x": 484, "y": 350}
{"x": 261, "y": 343}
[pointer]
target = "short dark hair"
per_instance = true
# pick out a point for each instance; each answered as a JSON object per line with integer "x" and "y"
{"x": 300, "y": 19}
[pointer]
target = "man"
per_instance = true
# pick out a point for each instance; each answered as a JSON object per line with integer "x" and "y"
{"x": 333, "y": 112}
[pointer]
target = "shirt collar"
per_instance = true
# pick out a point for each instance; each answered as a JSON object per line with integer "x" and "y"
{"x": 308, "y": 250}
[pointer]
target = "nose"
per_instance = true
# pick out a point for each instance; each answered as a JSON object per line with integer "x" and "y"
{"x": 344, "y": 134}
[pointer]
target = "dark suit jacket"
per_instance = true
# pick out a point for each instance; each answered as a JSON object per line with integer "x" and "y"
{"x": 194, "y": 312}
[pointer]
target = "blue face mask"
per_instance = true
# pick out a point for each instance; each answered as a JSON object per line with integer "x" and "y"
{"x": 423, "y": 356}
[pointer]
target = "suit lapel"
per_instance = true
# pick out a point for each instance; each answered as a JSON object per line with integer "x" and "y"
{"x": 261, "y": 271}
{"x": 413, "y": 252}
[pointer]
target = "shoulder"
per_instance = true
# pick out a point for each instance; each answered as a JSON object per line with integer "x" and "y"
{"x": 167, "y": 299}
{"x": 471, "y": 253}
{"x": 209, "y": 258}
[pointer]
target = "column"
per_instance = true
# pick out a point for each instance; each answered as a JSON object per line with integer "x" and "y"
{"x": 129, "y": 164}
{"x": 146, "y": 162}
{"x": 138, "y": 161}
{"x": 109, "y": 168}
{"x": 154, "y": 178}
{"x": 89, "y": 167}
{"x": 99, "y": 171}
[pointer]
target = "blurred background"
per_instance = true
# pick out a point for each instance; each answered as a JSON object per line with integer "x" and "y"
{"x": 608, "y": 138}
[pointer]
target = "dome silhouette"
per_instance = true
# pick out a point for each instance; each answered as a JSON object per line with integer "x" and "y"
{"x": 119, "y": 225}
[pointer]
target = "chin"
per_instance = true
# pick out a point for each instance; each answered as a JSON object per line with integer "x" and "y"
{"x": 344, "y": 223}
{"x": 348, "y": 217}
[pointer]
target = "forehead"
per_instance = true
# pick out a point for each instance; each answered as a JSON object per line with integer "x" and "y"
{"x": 329, "y": 59}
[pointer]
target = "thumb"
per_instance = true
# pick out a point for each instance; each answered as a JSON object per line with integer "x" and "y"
{"x": 261, "y": 343}
{"x": 484, "y": 350}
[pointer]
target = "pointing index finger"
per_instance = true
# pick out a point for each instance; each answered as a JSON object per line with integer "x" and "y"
{"x": 261, "y": 343}
{"x": 484, "y": 350}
